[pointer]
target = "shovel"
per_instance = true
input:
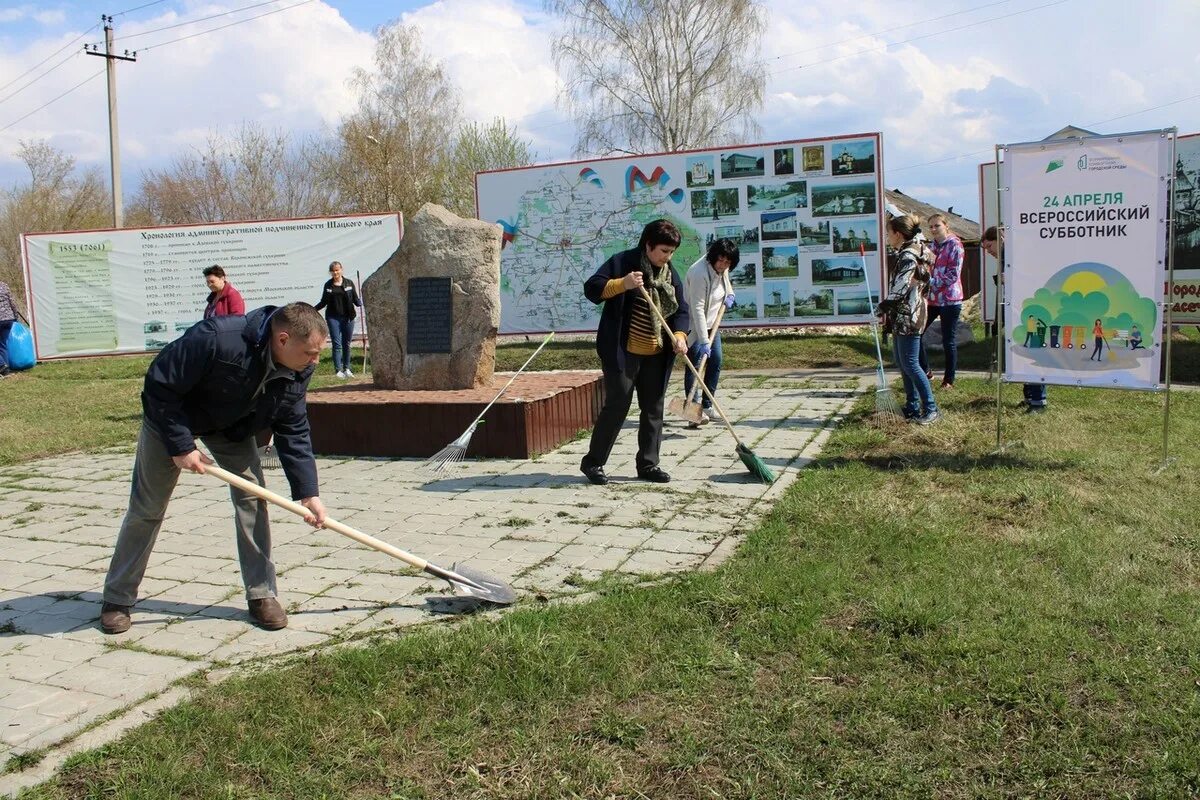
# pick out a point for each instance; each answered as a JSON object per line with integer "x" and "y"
{"x": 690, "y": 408}
{"x": 463, "y": 579}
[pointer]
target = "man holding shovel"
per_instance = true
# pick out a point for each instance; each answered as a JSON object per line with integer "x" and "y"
{"x": 707, "y": 290}
{"x": 222, "y": 381}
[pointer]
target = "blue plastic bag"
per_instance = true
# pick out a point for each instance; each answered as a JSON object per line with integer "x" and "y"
{"x": 20, "y": 347}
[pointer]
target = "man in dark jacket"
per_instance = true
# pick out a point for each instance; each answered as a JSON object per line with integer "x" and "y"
{"x": 223, "y": 380}
{"x": 634, "y": 352}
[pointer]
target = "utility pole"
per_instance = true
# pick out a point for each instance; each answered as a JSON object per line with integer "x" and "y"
{"x": 114, "y": 151}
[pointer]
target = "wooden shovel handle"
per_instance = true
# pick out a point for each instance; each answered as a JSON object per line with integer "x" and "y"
{"x": 263, "y": 493}
{"x": 711, "y": 335}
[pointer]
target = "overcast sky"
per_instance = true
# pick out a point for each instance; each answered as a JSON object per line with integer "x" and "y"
{"x": 943, "y": 81}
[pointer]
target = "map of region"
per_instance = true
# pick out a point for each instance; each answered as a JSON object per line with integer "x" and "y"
{"x": 564, "y": 229}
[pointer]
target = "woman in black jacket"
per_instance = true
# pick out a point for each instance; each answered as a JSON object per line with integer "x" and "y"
{"x": 634, "y": 353}
{"x": 339, "y": 299}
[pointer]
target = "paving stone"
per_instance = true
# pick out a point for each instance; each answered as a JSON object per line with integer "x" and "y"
{"x": 562, "y": 534}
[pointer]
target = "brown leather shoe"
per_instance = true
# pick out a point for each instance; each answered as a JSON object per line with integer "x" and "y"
{"x": 114, "y": 618}
{"x": 268, "y": 614}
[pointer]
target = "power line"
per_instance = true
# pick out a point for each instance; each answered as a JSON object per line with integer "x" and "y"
{"x": 942, "y": 32}
{"x": 56, "y": 99}
{"x": 38, "y": 78}
{"x": 1086, "y": 125}
{"x": 197, "y": 20}
{"x": 47, "y": 58}
{"x": 230, "y": 25}
{"x": 138, "y": 8}
{"x": 765, "y": 61}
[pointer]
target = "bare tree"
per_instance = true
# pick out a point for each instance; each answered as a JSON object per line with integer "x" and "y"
{"x": 478, "y": 148}
{"x": 395, "y": 149}
{"x": 660, "y": 75}
{"x": 58, "y": 198}
{"x": 253, "y": 174}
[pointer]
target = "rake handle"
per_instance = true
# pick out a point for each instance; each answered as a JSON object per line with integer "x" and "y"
{"x": 667, "y": 329}
{"x": 263, "y": 493}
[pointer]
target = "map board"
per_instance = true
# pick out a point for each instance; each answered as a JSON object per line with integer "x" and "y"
{"x": 134, "y": 290}
{"x": 798, "y": 210}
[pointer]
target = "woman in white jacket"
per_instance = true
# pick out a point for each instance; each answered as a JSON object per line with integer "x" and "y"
{"x": 705, "y": 289}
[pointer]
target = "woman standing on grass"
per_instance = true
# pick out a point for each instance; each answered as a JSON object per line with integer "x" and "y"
{"x": 339, "y": 300}
{"x": 945, "y": 294}
{"x": 907, "y": 314}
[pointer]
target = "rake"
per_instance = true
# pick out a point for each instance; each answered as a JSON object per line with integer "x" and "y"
{"x": 885, "y": 401}
{"x": 454, "y": 452}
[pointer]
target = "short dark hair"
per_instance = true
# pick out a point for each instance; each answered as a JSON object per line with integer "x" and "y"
{"x": 992, "y": 234}
{"x": 661, "y": 231}
{"x": 333, "y": 264}
{"x": 723, "y": 248}
{"x": 299, "y": 319}
{"x": 214, "y": 270}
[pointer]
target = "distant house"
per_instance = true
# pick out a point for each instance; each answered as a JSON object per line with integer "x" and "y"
{"x": 740, "y": 164}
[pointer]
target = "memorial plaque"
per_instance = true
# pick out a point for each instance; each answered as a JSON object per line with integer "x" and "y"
{"x": 430, "y": 321}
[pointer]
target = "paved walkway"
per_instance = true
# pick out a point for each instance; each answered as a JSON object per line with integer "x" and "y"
{"x": 538, "y": 524}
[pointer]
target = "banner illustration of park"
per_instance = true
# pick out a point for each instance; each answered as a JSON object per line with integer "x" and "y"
{"x": 1085, "y": 259}
{"x": 1087, "y": 317}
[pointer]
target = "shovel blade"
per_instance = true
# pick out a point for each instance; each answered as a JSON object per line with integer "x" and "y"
{"x": 693, "y": 412}
{"x": 487, "y": 587}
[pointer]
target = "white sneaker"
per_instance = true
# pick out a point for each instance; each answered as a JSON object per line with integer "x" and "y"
{"x": 711, "y": 413}
{"x": 341, "y": 374}
{"x": 349, "y": 374}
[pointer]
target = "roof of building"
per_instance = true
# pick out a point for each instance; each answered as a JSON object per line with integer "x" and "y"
{"x": 963, "y": 228}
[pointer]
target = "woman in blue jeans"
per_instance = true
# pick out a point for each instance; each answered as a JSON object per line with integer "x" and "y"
{"x": 339, "y": 299}
{"x": 906, "y": 311}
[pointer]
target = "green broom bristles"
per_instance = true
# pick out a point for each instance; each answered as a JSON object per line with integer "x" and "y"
{"x": 758, "y": 468}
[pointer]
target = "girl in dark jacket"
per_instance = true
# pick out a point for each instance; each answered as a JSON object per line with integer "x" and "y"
{"x": 339, "y": 300}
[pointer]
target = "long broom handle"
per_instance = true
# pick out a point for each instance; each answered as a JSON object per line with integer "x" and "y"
{"x": 862, "y": 254}
{"x": 712, "y": 334}
{"x": 513, "y": 378}
{"x": 667, "y": 329}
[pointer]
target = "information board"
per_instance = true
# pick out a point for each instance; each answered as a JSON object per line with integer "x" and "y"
{"x": 798, "y": 210}
{"x": 135, "y": 289}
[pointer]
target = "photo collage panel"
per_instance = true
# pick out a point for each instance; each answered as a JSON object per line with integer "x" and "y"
{"x": 801, "y": 213}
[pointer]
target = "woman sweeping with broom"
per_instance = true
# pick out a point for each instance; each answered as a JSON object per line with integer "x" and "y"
{"x": 707, "y": 289}
{"x": 634, "y": 355}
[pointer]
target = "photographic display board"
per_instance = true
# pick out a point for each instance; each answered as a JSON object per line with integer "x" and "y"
{"x": 136, "y": 289}
{"x": 1085, "y": 259}
{"x": 1185, "y": 292}
{"x": 797, "y": 209}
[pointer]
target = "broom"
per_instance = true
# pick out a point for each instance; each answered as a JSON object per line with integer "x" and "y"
{"x": 754, "y": 464}
{"x": 689, "y": 407}
{"x": 457, "y": 450}
{"x": 885, "y": 401}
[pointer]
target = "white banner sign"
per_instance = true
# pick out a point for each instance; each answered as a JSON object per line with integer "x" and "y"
{"x": 799, "y": 210}
{"x": 1085, "y": 259}
{"x": 136, "y": 289}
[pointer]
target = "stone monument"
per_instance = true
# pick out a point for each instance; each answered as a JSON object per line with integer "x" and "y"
{"x": 434, "y": 307}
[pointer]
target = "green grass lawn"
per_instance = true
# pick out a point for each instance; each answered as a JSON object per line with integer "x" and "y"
{"x": 915, "y": 618}
{"x": 91, "y": 403}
